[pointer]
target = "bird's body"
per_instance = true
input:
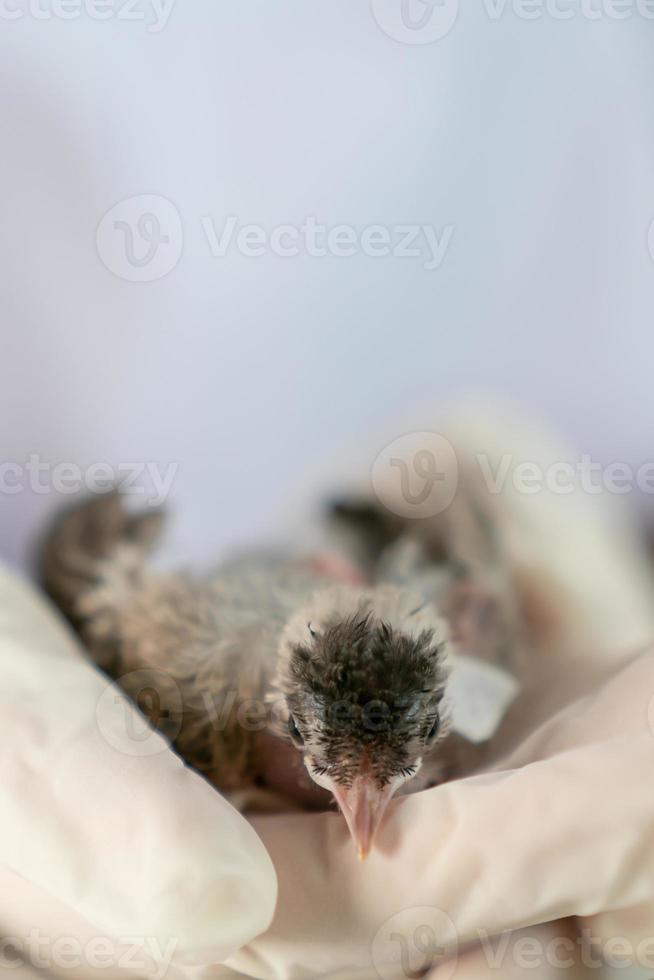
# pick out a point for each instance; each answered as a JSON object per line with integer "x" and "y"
{"x": 268, "y": 654}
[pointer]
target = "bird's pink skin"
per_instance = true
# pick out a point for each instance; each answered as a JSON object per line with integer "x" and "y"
{"x": 363, "y": 805}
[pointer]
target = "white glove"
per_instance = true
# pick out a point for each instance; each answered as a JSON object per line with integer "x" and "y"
{"x": 566, "y": 828}
{"x": 103, "y": 837}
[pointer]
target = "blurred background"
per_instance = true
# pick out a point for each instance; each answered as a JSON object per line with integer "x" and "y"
{"x": 490, "y": 174}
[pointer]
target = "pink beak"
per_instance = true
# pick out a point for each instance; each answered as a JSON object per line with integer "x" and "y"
{"x": 363, "y": 805}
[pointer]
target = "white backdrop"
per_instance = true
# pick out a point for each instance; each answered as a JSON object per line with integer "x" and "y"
{"x": 531, "y": 140}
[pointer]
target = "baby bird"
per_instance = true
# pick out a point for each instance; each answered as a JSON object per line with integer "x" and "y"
{"x": 362, "y": 676}
{"x": 282, "y": 679}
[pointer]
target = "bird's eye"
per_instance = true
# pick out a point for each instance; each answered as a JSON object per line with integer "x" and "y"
{"x": 433, "y": 731}
{"x": 294, "y": 731}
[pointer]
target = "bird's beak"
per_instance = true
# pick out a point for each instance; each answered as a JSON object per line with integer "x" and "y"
{"x": 363, "y": 805}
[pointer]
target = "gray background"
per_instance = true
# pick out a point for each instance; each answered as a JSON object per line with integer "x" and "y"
{"x": 533, "y": 139}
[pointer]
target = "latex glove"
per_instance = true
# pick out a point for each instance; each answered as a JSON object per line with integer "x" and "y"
{"x": 566, "y": 828}
{"x": 103, "y": 835}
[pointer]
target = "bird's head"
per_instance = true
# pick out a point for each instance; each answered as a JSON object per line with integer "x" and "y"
{"x": 362, "y": 677}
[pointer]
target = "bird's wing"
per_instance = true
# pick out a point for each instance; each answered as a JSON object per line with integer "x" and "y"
{"x": 189, "y": 651}
{"x": 186, "y": 657}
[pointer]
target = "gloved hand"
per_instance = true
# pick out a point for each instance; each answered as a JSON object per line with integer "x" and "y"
{"x": 112, "y": 854}
{"x": 563, "y": 829}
